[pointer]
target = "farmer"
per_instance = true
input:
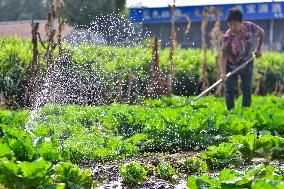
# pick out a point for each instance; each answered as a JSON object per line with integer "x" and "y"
{"x": 237, "y": 47}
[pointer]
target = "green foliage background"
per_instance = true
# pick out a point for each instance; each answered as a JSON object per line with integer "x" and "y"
{"x": 114, "y": 62}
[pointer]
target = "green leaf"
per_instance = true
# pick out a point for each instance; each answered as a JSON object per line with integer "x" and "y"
{"x": 255, "y": 172}
{"x": 34, "y": 169}
{"x": 266, "y": 152}
{"x": 191, "y": 182}
{"x": 205, "y": 181}
{"x": 228, "y": 174}
{"x": 7, "y": 166}
{"x": 264, "y": 133}
{"x": 5, "y": 150}
{"x": 54, "y": 186}
{"x": 267, "y": 184}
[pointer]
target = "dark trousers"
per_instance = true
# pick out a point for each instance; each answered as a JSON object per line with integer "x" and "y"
{"x": 246, "y": 89}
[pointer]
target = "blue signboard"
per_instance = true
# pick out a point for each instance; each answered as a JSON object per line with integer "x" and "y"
{"x": 251, "y": 11}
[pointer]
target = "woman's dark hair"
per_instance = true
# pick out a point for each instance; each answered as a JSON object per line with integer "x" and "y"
{"x": 235, "y": 14}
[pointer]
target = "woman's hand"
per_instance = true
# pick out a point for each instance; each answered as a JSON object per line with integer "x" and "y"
{"x": 223, "y": 77}
{"x": 257, "y": 53}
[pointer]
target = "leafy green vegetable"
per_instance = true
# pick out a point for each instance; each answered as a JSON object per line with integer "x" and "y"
{"x": 133, "y": 173}
{"x": 221, "y": 156}
{"x": 25, "y": 174}
{"x": 106, "y": 133}
{"x": 194, "y": 165}
{"x": 260, "y": 176}
{"x": 165, "y": 171}
{"x": 72, "y": 176}
{"x": 247, "y": 145}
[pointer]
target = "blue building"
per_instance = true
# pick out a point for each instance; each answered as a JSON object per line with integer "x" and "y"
{"x": 268, "y": 15}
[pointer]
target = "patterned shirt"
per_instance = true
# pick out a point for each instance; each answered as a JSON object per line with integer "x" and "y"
{"x": 238, "y": 49}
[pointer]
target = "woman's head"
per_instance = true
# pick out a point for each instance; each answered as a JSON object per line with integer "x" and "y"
{"x": 234, "y": 20}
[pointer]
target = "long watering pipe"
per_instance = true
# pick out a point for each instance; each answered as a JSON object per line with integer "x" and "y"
{"x": 228, "y": 75}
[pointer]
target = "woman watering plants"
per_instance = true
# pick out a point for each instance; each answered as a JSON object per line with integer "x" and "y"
{"x": 237, "y": 47}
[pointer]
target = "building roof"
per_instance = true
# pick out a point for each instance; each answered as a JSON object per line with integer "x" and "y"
{"x": 23, "y": 29}
{"x": 165, "y": 3}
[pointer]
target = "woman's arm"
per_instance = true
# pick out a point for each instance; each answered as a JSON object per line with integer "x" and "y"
{"x": 223, "y": 67}
{"x": 259, "y": 33}
{"x": 260, "y": 43}
{"x": 225, "y": 51}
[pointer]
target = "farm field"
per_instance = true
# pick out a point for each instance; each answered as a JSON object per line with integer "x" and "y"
{"x": 125, "y": 94}
{"x": 170, "y": 142}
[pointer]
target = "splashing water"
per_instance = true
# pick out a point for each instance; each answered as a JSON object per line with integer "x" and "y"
{"x": 77, "y": 77}
{"x": 80, "y": 75}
